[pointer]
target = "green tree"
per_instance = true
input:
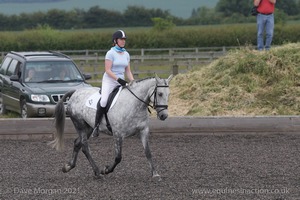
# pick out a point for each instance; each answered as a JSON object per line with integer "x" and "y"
{"x": 57, "y": 18}
{"x": 97, "y": 17}
{"x": 280, "y": 17}
{"x": 228, "y": 7}
{"x": 140, "y": 16}
{"x": 289, "y": 7}
{"x": 74, "y": 19}
{"x": 137, "y": 16}
{"x": 204, "y": 15}
{"x": 3, "y": 22}
{"x": 162, "y": 24}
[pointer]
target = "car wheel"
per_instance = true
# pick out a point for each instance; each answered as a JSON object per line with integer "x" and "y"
{"x": 23, "y": 109}
{"x": 2, "y": 106}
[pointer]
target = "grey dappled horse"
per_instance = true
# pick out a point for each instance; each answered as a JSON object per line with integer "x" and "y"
{"x": 129, "y": 116}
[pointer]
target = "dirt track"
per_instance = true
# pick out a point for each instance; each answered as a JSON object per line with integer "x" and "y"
{"x": 206, "y": 166}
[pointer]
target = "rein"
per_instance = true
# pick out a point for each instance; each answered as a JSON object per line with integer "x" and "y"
{"x": 154, "y": 106}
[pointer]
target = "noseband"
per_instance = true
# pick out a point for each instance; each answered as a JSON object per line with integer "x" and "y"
{"x": 155, "y": 104}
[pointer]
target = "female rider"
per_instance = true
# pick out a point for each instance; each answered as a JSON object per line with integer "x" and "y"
{"x": 117, "y": 63}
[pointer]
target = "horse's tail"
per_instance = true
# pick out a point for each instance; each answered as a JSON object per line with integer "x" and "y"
{"x": 59, "y": 120}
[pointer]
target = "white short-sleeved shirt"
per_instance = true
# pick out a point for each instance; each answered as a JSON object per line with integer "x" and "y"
{"x": 119, "y": 61}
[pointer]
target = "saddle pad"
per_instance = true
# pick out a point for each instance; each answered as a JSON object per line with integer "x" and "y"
{"x": 92, "y": 101}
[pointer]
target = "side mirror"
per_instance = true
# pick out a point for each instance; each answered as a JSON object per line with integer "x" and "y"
{"x": 87, "y": 76}
{"x": 14, "y": 78}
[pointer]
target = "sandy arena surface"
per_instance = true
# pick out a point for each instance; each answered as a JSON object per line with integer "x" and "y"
{"x": 206, "y": 166}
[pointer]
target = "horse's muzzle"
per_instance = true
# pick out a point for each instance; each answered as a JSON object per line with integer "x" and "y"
{"x": 162, "y": 116}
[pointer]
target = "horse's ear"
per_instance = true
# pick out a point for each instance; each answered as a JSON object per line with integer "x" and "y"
{"x": 170, "y": 78}
{"x": 157, "y": 78}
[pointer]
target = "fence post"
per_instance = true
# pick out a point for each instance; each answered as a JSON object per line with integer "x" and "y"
{"x": 142, "y": 54}
{"x": 171, "y": 53}
{"x": 190, "y": 66}
{"x": 86, "y": 54}
{"x": 224, "y": 49}
{"x": 135, "y": 69}
{"x": 175, "y": 69}
{"x": 82, "y": 66}
{"x": 95, "y": 66}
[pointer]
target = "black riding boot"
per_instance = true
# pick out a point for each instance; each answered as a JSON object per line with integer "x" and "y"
{"x": 99, "y": 114}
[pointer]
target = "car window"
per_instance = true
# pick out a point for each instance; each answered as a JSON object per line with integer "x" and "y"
{"x": 52, "y": 70}
{"x": 5, "y": 65}
{"x": 13, "y": 68}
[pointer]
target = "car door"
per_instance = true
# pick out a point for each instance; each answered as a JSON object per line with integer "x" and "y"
{"x": 12, "y": 89}
{"x": 3, "y": 81}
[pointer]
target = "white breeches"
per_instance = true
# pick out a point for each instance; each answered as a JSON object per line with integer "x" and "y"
{"x": 108, "y": 84}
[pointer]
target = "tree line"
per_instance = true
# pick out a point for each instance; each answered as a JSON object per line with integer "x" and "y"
{"x": 226, "y": 11}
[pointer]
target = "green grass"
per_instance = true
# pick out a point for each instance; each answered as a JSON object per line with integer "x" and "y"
{"x": 10, "y": 115}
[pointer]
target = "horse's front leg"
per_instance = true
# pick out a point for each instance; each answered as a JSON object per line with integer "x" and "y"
{"x": 145, "y": 140}
{"x": 118, "y": 156}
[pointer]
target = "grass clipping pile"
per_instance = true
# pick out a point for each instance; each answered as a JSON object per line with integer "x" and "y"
{"x": 245, "y": 82}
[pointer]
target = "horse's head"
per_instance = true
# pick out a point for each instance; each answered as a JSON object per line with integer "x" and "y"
{"x": 161, "y": 97}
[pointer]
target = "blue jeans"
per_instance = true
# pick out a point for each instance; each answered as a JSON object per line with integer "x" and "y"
{"x": 264, "y": 23}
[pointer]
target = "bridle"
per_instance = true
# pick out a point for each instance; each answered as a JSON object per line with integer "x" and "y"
{"x": 155, "y": 104}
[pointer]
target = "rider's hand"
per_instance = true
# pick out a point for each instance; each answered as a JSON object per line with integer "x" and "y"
{"x": 122, "y": 82}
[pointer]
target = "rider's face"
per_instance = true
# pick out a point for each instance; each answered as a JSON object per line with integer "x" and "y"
{"x": 121, "y": 42}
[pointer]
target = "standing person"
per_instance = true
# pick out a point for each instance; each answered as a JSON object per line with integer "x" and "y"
{"x": 117, "y": 63}
{"x": 265, "y": 23}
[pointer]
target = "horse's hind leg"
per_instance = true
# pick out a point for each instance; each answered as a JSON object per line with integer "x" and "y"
{"x": 70, "y": 165}
{"x": 145, "y": 137}
{"x": 86, "y": 151}
{"x": 118, "y": 156}
{"x": 84, "y": 131}
{"x": 77, "y": 146}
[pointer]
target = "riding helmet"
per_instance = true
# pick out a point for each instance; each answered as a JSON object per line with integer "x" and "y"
{"x": 117, "y": 35}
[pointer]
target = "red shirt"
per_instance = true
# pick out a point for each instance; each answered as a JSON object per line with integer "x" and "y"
{"x": 266, "y": 7}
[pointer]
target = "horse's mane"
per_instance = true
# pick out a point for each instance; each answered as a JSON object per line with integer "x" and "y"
{"x": 147, "y": 78}
{"x": 140, "y": 80}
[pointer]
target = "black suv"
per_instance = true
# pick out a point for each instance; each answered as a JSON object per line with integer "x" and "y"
{"x": 31, "y": 83}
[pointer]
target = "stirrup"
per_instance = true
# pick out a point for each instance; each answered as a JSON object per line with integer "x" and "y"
{"x": 95, "y": 132}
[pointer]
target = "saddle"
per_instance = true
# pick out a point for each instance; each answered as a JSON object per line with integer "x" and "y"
{"x": 111, "y": 97}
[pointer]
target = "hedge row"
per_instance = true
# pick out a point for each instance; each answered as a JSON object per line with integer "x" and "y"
{"x": 196, "y": 36}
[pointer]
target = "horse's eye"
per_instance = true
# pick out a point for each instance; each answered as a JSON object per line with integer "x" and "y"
{"x": 160, "y": 94}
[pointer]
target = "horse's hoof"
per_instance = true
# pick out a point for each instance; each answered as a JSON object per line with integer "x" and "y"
{"x": 105, "y": 170}
{"x": 95, "y": 135}
{"x": 66, "y": 168}
{"x": 157, "y": 176}
{"x": 98, "y": 176}
{"x": 97, "y": 172}
{"x": 95, "y": 132}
